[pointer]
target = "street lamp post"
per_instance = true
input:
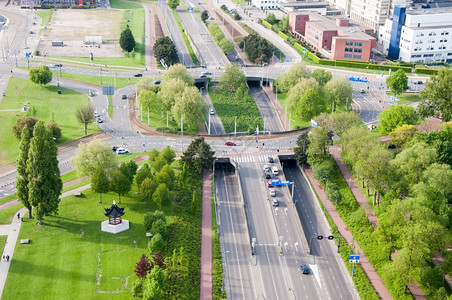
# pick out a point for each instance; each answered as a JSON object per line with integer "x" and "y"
{"x": 326, "y": 189}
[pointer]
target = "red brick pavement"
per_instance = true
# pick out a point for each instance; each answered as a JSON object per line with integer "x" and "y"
{"x": 375, "y": 280}
{"x": 206, "y": 239}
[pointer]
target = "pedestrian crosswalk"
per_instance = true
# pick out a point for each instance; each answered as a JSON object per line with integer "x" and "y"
{"x": 251, "y": 158}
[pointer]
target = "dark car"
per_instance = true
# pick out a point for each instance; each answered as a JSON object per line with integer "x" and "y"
{"x": 271, "y": 159}
{"x": 114, "y": 148}
{"x": 267, "y": 175}
{"x": 304, "y": 269}
{"x": 229, "y": 143}
{"x": 418, "y": 82}
{"x": 202, "y": 76}
{"x": 57, "y": 65}
{"x": 275, "y": 202}
{"x": 124, "y": 97}
{"x": 157, "y": 82}
{"x": 138, "y": 75}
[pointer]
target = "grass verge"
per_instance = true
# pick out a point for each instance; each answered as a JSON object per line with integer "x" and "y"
{"x": 185, "y": 37}
{"x": 295, "y": 121}
{"x": 124, "y": 5}
{"x": 217, "y": 262}
{"x": 7, "y": 214}
{"x": 45, "y": 15}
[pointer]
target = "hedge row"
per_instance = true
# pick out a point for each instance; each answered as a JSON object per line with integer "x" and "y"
{"x": 283, "y": 35}
{"x": 426, "y": 71}
{"x": 268, "y": 25}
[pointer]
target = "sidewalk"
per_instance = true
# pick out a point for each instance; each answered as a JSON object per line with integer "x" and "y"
{"x": 374, "y": 279}
{"x": 206, "y": 239}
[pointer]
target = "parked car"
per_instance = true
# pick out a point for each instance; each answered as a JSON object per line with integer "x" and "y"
{"x": 99, "y": 120}
{"x": 96, "y": 114}
{"x": 418, "y": 82}
{"x": 122, "y": 151}
{"x": 138, "y": 75}
{"x": 124, "y": 97}
{"x": 304, "y": 269}
{"x": 202, "y": 76}
{"x": 157, "y": 82}
{"x": 272, "y": 192}
{"x": 266, "y": 168}
{"x": 275, "y": 170}
{"x": 271, "y": 159}
{"x": 57, "y": 65}
{"x": 114, "y": 148}
{"x": 267, "y": 175}
{"x": 269, "y": 184}
{"x": 206, "y": 73}
{"x": 212, "y": 112}
{"x": 230, "y": 143}
{"x": 275, "y": 202}
{"x": 362, "y": 91}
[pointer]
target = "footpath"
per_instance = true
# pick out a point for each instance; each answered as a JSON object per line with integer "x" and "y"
{"x": 206, "y": 237}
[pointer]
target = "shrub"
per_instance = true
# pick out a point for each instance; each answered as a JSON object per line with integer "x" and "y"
{"x": 156, "y": 243}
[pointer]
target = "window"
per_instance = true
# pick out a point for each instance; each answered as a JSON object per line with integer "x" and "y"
{"x": 326, "y": 34}
{"x": 347, "y": 43}
{"x": 359, "y": 44}
{"x": 347, "y": 55}
{"x": 326, "y": 41}
{"x": 442, "y": 47}
{"x": 414, "y": 56}
{"x": 357, "y": 56}
{"x": 449, "y": 54}
{"x": 358, "y": 50}
{"x": 438, "y": 54}
{"x": 428, "y": 55}
{"x": 430, "y": 48}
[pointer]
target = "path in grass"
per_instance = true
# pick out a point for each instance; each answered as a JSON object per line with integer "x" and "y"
{"x": 206, "y": 237}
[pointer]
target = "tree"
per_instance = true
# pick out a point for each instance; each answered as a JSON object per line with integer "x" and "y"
{"x": 257, "y": 49}
{"x": 395, "y": 116}
{"x": 159, "y": 260}
{"x": 126, "y": 40}
{"x": 169, "y": 91}
{"x": 22, "y": 177}
{"x": 143, "y": 267}
{"x": 339, "y": 94}
{"x": 204, "y": 15}
{"x": 198, "y": 155}
{"x": 153, "y": 154}
{"x": 149, "y": 101}
{"x": 437, "y": 96}
{"x": 30, "y": 122}
{"x": 44, "y": 182}
{"x": 165, "y": 49}
{"x": 129, "y": 169}
{"x": 339, "y": 121}
{"x": 397, "y": 82}
{"x": 402, "y": 135}
{"x": 300, "y": 151}
{"x": 318, "y": 143}
{"x": 85, "y": 115}
{"x": 188, "y": 108}
{"x": 120, "y": 184}
{"x": 100, "y": 183}
{"x": 232, "y": 77}
{"x": 287, "y": 80}
{"x": 166, "y": 175}
{"x": 152, "y": 217}
{"x": 297, "y": 91}
{"x": 137, "y": 287}
{"x": 310, "y": 105}
{"x": 168, "y": 154}
{"x": 55, "y": 130}
{"x": 322, "y": 76}
{"x": 155, "y": 284}
{"x": 179, "y": 71}
{"x": 173, "y": 4}
{"x": 40, "y": 75}
{"x": 142, "y": 174}
{"x": 161, "y": 196}
{"x": 226, "y": 46}
{"x": 92, "y": 156}
{"x": 159, "y": 226}
{"x": 156, "y": 243}
{"x": 159, "y": 163}
{"x": 147, "y": 189}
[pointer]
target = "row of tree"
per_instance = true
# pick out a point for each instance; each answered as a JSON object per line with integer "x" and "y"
{"x": 215, "y": 31}
{"x": 412, "y": 190}
{"x": 256, "y": 48}
{"x": 309, "y": 94}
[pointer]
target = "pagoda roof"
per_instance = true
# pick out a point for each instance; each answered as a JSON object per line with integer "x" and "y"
{"x": 114, "y": 211}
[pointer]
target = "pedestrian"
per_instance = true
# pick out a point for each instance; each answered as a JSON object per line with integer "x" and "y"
{"x": 7, "y": 258}
{"x": 3, "y": 257}
{"x": 18, "y": 216}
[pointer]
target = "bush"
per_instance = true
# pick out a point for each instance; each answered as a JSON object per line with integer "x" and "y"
{"x": 156, "y": 243}
{"x": 55, "y": 130}
{"x": 426, "y": 71}
{"x": 268, "y": 25}
{"x": 283, "y": 35}
{"x": 237, "y": 16}
{"x": 159, "y": 227}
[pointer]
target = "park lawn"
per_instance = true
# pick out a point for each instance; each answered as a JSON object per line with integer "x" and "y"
{"x": 228, "y": 106}
{"x": 124, "y": 5}
{"x": 405, "y": 98}
{"x": 91, "y": 79}
{"x": 8, "y": 198}
{"x": 61, "y": 261}
{"x": 45, "y": 15}
{"x": 3, "y": 242}
{"x": 295, "y": 121}
{"x": 49, "y": 105}
{"x": 135, "y": 20}
{"x": 116, "y": 62}
{"x": 7, "y": 214}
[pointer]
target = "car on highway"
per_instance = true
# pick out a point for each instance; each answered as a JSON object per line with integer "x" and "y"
{"x": 275, "y": 170}
{"x": 266, "y": 168}
{"x": 271, "y": 159}
{"x": 206, "y": 73}
{"x": 212, "y": 112}
{"x": 230, "y": 143}
{"x": 99, "y": 120}
{"x": 304, "y": 269}
{"x": 138, "y": 75}
{"x": 124, "y": 97}
{"x": 418, "y": 82}
{"x": 122, "y": 151}
{"x": 202, "y": 76}
{"x": 267, "y": 175}
{"x": 362, "y": 91}
{"x": 275, "y": 202}
{"x": 272, "y": 192}
{"x": 96, "y": 114}
{"x": 114, "y": 148}
{"x": 269, "y": 184}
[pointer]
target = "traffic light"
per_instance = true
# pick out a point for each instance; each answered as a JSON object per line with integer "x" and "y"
{"x": 331, "y": 237}
{"x": 320, "y": 237}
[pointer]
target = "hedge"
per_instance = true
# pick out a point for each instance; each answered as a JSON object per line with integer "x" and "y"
{"x": 283, "y": 35}
{"x": 426, "y": 71}
{"x": 268, "y": 25}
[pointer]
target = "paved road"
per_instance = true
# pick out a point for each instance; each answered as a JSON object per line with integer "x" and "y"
{"x": 268, "y": 113}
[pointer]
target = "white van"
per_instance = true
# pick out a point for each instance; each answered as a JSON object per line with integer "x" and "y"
{"x": 275, "y": 170}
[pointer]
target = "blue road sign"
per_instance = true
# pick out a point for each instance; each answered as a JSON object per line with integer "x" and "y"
{"x": 108, "y": 90}
{"x": 304, "y": 50}
{"x": 295, "y": 200}
{"x": 190, "y": 9}
{"x": 354, "y": 258}
{"x": 28, "y": 54}
{"x": 284, "y": 183}
{"x": 313, "y": 123}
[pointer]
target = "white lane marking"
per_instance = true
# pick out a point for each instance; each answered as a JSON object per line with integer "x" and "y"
{"x": 315, "y": 271}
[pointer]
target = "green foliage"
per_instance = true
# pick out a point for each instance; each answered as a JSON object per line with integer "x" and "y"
{"x": 168, "y": 154}
{"x": 100, "y": 183}
{"x": 147, "y": 189}
{"x": 237, "y": 17}
{"x": 198, "y": 155}
{"x": 165, "y": 49}
{"x": 402, "y": 135}
{"x": 300, "y": 151}
{"x": 267, "y": 24}
{"x": 397, "y": 82}
{"x": 232, "y": 78}
{"x": 55, "y": 130}
{"x": 338, "y": 122}
{"x": 156, "y": 243}
{"x": 310, "y": 105}
{"x": 159, "y": 227}
{"x": 321, "y": 76}
{"x": 437, "y": 96}
{"x": 40, "y": 75}
{"x": 92, "y": 156}
{"x": 318, "y": 143}
{"x": 17, "y": 128}
{"x": 283, "y": 35}
{"x": 126, "y": 40}
{"x": 173, "y": 4}
{"x": 85, "y": 115}
{"x": 120, "y": 184}
{"x": 151, "y": 217}
{"x": 143, "y": 173}
{"x": 153, "y": 154}
{"x": 179, "y": 71}
{"x": 161, "y": 196}
{"x": 204, "y": 15}
{"x": 22, "y": 174}
{"x": 396, "y": 116}
{"x": 287, "y": 80}
{"x": 426, "y": 71}
{"x": 257, "y": 49}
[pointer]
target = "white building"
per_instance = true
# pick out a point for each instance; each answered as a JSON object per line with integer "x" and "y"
{"x": 370, "y": 13}
{"x": 419, "y": 35}
{"x": 266, "y": 4}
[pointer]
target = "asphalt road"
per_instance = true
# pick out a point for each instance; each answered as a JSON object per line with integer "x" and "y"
{"x": 268, "y": 113}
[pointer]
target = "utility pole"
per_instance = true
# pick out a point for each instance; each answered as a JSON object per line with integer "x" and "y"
{"x": 235, "y": 126}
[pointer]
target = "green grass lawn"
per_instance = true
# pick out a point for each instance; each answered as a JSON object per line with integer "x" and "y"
{"x": 3, "y": 242}
{"x": 124, "y": 5}
{"x": 185, "y": 37}
{"x": 8, "y": 198}
{"x": 7, "y": 214}
{"x": 405, "y": 98}
{"x": 49, "y": 105}
{"x": 120, "y": 81}
{"x": 45, "y": 15}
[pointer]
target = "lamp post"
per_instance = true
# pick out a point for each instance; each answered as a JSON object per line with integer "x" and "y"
{"x": 263, "y": 65}
{"x": 326, "y": 189}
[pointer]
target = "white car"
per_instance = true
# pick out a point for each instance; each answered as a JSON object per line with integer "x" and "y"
{"x": 266, "y": 168}
{"x": 212, "y": 112}
{"x": 272, "y": 192}
{"x": 122, "y": 151}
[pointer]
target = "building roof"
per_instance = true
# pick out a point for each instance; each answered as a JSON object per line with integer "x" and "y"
{"x": 114, "y": 211}
{"x": 305, "y": 5}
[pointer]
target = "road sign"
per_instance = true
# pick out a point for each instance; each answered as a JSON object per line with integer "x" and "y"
{"x": 27, "y": 54}
{"x": 304, "y": 50}
{"x": 354, "y": 258}
{"x": 313, "y": 123}
{"x": 108, "y": 90}
{"x": 284, "y": 183}
{"x": 190, "y": 9}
